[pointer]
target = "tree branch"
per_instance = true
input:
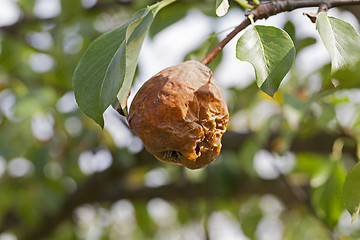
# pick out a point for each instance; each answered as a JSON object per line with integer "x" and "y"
{"x": 110, "y": 186}
{"x": 266, "y": 10}
{"x": 111, "y": 191}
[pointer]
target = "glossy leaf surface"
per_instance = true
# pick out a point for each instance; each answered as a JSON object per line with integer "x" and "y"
{"x": 341, "y": 41}
{"x": 271, "y": 51}
{"x": 351, "y": 193}
{"x": 107, "y": 68}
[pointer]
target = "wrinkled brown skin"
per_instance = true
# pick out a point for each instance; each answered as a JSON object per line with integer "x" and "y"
{"x": 180, "y": 114}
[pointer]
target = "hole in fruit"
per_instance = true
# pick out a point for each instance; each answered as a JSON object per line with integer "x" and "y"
{"x": 197, "y": 149}
{"x": 171, "y": 155}
{"x": 178, "y": 108}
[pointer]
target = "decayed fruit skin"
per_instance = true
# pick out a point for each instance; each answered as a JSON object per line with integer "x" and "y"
{"x": 180, "y": 114}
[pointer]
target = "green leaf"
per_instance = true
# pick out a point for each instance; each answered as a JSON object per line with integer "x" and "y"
{"x": 309, "y": 163}
{"x": 100, "y": 72}
{"x": 300, "y": 225}
{"x": 168, "y": 17}
{"x": 201, "y": 51}
{"x": 245, "y": 4}
{"x": 351, "y": 193}
{"x": 271, "y": 51}
{"x": 107, "y": 68}
{"x": 222, "y": 7}
{"x": 135, "y": 36}
{"x": 341, "y": 41}
{"x": 348, "y": 78}
{"x": 300, "y": 43}
{"x": 327, "y": 186}
{"x": 250, "y": 215}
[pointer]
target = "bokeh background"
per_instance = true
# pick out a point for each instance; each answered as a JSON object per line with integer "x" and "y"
{"x": 279, "y": 175}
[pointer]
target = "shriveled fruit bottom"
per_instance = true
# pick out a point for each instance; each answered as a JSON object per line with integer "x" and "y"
{"x": 180, "y": 114}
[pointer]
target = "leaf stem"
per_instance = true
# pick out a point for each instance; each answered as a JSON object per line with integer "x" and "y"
{"x": 161, "y": 4}
{"x": 269, "y": 9}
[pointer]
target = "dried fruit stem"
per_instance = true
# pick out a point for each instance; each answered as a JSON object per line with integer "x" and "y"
{"x": 265, "y": 10}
